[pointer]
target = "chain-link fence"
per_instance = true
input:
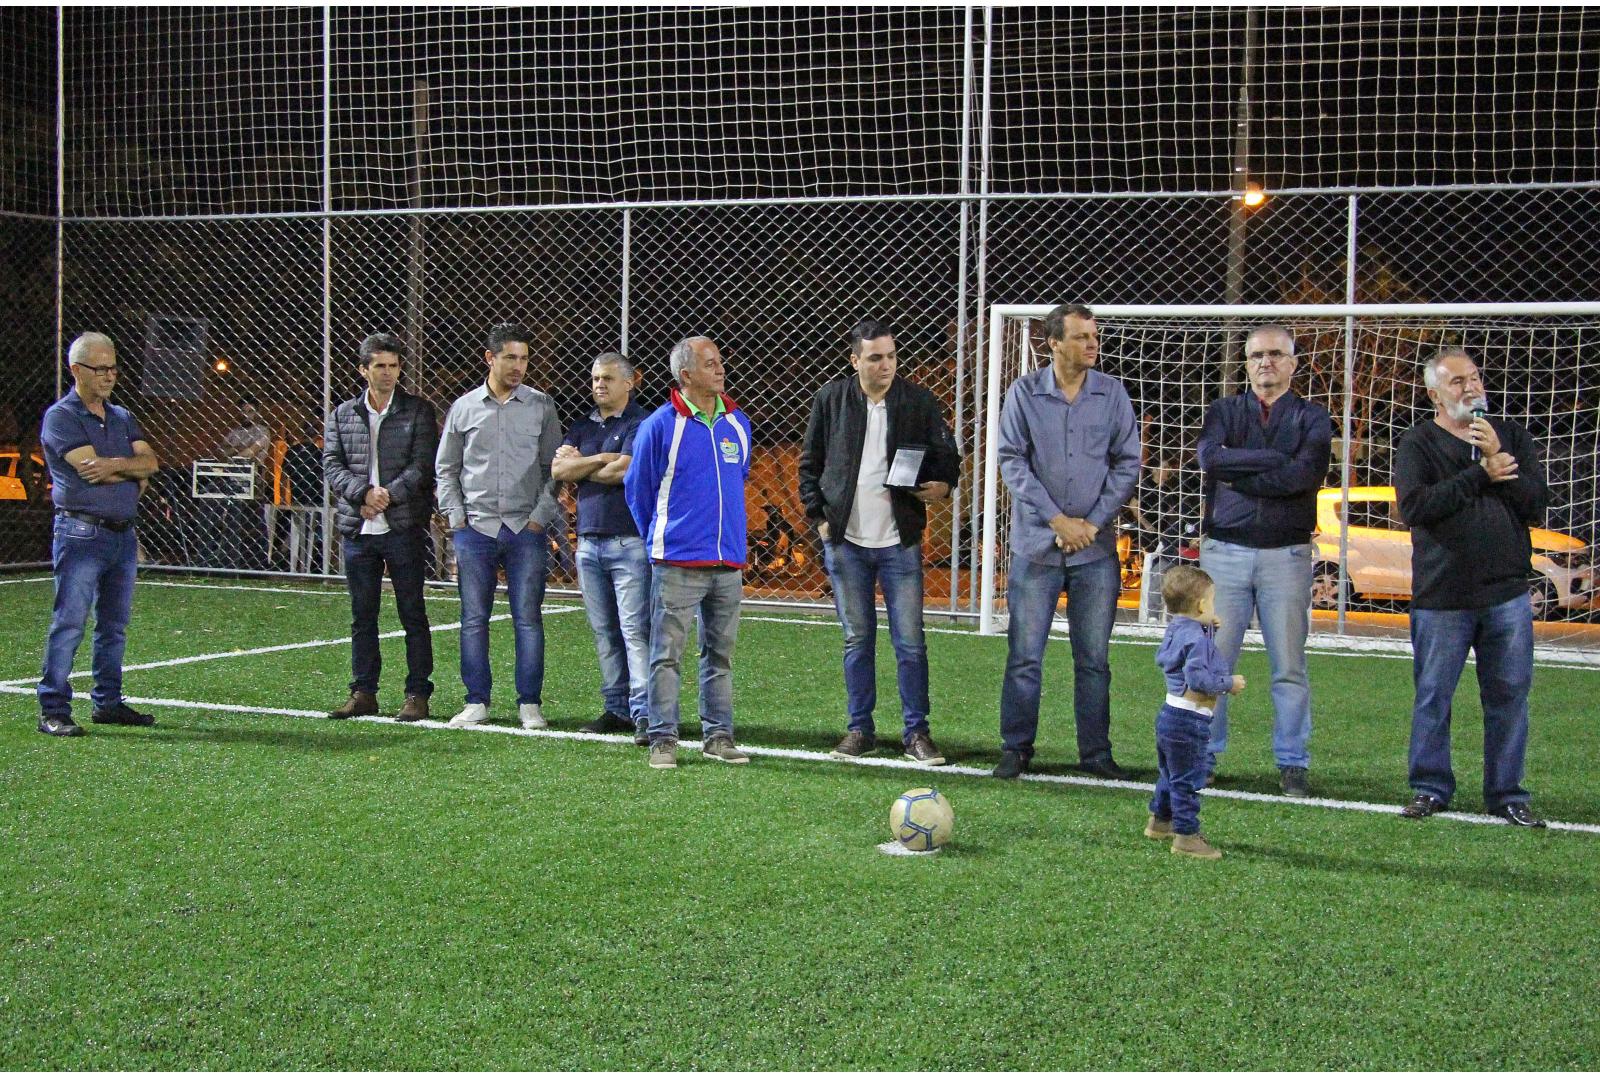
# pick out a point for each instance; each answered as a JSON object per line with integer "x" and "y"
{"x": 625, "y": 179}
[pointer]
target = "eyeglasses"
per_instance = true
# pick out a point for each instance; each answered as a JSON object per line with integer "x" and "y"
{"x": 1268, "y": 356}
{"x": 111, "y": 370}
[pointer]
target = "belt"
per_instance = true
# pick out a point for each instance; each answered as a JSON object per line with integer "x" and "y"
{"x": 105, "y": 523}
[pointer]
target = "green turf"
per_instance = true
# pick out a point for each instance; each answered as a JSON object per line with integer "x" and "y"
{"x": 239, "y": 891}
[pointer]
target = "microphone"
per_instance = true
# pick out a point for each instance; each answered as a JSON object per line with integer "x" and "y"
{"x": 1477, "y": 414}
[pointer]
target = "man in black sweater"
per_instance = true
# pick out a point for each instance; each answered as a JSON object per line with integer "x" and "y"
{"x": 1469, "y": 487}
{"x": 871, "y": 524}
{"x": 1265, "y": 454}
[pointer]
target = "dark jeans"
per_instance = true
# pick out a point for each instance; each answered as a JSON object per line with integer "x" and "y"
{"x": 1032, "y": 590}
{"x": 1181, "y": 752}
{"x": 526, "y": 558}
{"x": 857, "y": 572}
{"x": 365, "y": 557}
{"x": 94, "y": 568}
{"x": 1502, "y": 639}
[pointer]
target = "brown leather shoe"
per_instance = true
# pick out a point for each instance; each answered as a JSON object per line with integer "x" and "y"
{"x": 415, "y": 708}
{"x": 361, "y": 703}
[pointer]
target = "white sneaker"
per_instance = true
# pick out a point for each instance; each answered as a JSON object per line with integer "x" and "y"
{"x": 472, "y": 714}
{"x": 531, "y": 716}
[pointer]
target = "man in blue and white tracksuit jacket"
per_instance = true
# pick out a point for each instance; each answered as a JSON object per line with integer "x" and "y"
{"x": 685, "y": 489}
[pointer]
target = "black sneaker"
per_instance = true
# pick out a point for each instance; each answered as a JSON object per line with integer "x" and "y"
{"x": 1518, "y": 814}
{"x": 607, "y": 721}
{"x": 1295, "y": 781}
{"x": 1421, "y": 805}
{"x": 854, "y": 744}
{"x": 1013, "y": 763}
{"x": 1104, "y": 768}
{"x": 641, "y": 733}
{"x": 120, "y": 713}
{"x": 59, "y": 725}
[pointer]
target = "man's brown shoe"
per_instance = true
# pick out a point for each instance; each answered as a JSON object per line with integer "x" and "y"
{"x": 361, "y": 703}
{"x": 921, "y": 748}
{"x": 1159, "y": 828}
{"x": 1195, "y": 846}
{"x": 415, "y": 708}
{"x": 854, "y": 745}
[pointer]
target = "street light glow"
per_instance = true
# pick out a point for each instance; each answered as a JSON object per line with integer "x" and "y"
{"x": 1254, "y": 195}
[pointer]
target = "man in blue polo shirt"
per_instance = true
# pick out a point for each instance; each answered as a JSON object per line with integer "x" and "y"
{"x": 613, "y": 570}
{"x": 99, "y": 463}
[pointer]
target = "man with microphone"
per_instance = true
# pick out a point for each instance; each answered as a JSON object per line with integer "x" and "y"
{"x": 1469, "y": 488}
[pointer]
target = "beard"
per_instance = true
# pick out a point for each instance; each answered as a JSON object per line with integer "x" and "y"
{"x": 1461, "y": 411}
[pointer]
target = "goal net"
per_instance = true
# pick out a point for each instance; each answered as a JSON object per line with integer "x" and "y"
{"x": 1362, "y": 362}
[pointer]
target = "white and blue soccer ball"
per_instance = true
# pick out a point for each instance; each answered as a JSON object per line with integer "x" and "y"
{"x": 922, "y": 820}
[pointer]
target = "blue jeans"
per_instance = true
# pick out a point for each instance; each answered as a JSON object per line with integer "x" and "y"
{"x": 94, "y": 568}
{"x": 526, "y": 557}
{"x": 1275, "y": 585}
{"x": 678, "y": 595}
{"x": 614, "y": 576}
{"x": 856, "y": 573}
{"x": 1032, "y": 590}
{"x": 1181, "y": 738}
{"x": 364, "y": 559}
{"x": 1502, "y": 639}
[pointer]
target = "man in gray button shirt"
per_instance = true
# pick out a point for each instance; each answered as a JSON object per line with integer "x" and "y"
{"x": 1069, "y": 452}
{"x": 495, "y": 488}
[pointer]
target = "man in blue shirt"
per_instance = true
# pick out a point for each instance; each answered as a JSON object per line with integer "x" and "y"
{"x": 99, "y": 463}
{"x": 1069, "y": 453}
{"x": 613, "y": 570}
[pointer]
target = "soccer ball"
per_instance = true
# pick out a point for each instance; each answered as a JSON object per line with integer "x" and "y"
{"x": 921, "y": 819}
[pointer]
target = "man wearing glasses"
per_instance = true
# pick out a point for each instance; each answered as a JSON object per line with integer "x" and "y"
{"x": 99, "y": 463}
{"x": 1264, "y": 452}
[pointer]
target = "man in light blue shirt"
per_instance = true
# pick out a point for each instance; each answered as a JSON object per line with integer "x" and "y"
{"x": 495, "y": 488}
{"x": 1069, "y": 453}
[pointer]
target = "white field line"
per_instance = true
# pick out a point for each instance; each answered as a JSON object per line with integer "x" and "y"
{"x": 235, "y": 654}
{"x": 902, "y": 764}
{"x": 24, "y": 580}
{"x": 338, "y": 594}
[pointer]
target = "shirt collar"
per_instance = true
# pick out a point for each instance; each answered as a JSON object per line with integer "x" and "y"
{"x": 519, "y": 393}
{"x": 366, "y": 401}
{"x": 1045, "y": 383}
{"x": 629, "y": 412}
{"x": 717, "y": 410}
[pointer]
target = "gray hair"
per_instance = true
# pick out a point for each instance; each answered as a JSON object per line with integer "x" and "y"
{"x": 683, "y": 355}
{"x": 1430, "y": 366}
{"x": 1270, "y": 328}
{"x": 86, "y": 341}
{"x": 623, "y": 363}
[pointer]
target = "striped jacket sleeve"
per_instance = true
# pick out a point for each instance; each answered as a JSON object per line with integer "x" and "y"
{"x": 643, "y": 478}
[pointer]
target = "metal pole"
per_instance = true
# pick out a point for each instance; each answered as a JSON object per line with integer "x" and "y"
{"x": 627, "y": 274}
{"x": 1349, "y": 409}
{"x": 964, "y": 211}
{"x": 327, "y": 262}
{"x": 980, "y": 382}
{"x": 416, "y": 253}
{"x": 1240, "y": 180}
{"x": 61, "y": 198}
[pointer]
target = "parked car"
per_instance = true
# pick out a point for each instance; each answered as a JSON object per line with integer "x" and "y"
{"x": 1378, "y": 557}
{"x": 10, "y": 481}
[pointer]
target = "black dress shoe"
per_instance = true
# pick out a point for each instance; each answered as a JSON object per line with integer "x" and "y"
{"x": 1104, "y": 768}
{"x": 1518, "y": 814}
{"x": 1013, "y": 763}
{"x": 607, "y": 721}
{"x": 1421, "y": 806}
{"x": 120, "y": 713}
{"x": 59, "y": 725}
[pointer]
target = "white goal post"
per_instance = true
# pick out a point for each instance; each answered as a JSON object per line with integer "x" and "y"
{"x": 1363, "y": 374}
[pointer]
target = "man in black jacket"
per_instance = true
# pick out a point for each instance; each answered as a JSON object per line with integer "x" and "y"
{"x": 378, "y": 450}
{"x": 871, "y": 523}
{"x": 1469, "y": 487}
{"x": 1265, "y": 455}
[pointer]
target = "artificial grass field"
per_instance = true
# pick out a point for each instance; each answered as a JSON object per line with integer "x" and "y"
{"x": 235, "y": 890}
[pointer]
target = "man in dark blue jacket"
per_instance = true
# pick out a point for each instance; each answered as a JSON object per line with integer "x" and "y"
{"x": 1265, "y": 454}
{"x": 377, "y": 453}
{"x": 871, "y": 524}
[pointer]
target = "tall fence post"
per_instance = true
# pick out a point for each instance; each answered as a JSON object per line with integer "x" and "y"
{"x": 964, "y": 210}
{"x": 327, "y": 263}
{"x": 980, "y": 379}
{"x": 1345, "y": 457}
{"x": 627, "y": 274}
{"x": 61, "y": 196}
